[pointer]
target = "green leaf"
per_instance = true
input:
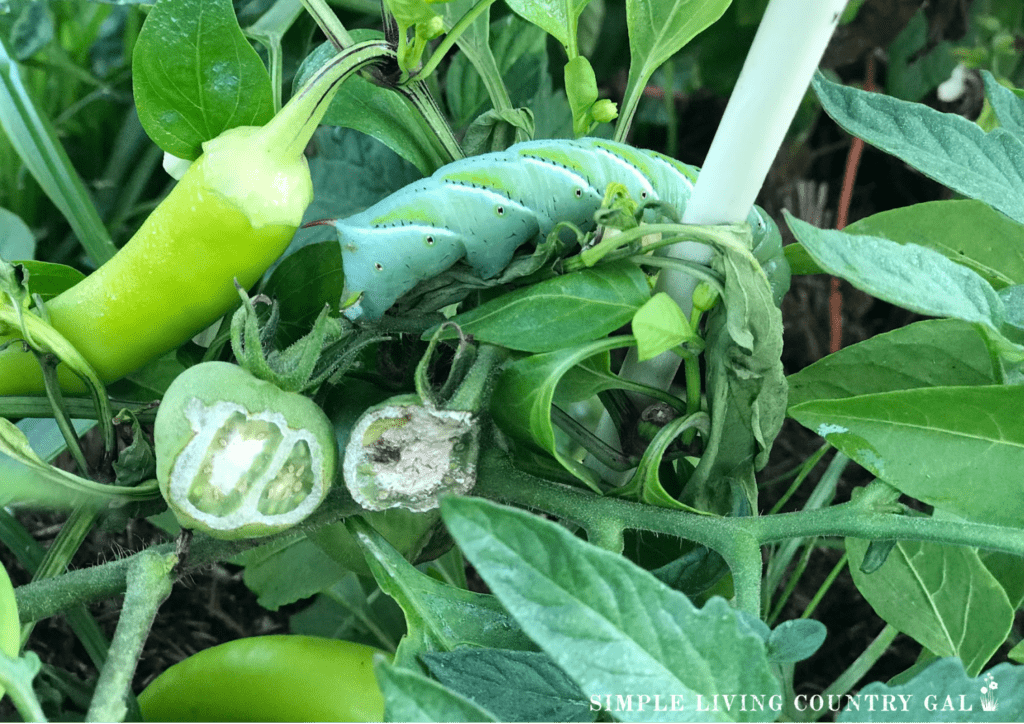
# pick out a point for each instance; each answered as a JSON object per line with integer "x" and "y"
{"x": 48, "y": 279}
{"x": 944, "y": 146}
{"x": 288, "y": 570}
{"x": 195, "y": 75}
{"x": 409, "y": 696}
{"x": 32, "y": 31}
{"x": 916, "y": 64}
{"x": 611, "y": 626}
{"x": 911, "y": 276}
{"x": 659, "y": 326}
{"x": 658, "y": 29}
{"x": 930, "y": 353}
{"x": 565, "y": 311}
{"x": 303, "y": 283}
{"x": 523, "y": 394}
{"x": 746, "y": 387}
{"x": 351, "y": 171}
{"x": 439, "y": 617}
{"x": 376, "y": 111}
{"x": 519, "y": 53}
{"x": 957, "y": 448}
{"x": 1013, "y": 302}
{"x": 17, "y": 242}
{"x": 1008, "y": 106}
{"x": 30, "y": 479}
{"x": 800, "y": 262}
{"x": 542, "y": 691}
{"x": 556, "y": 17}
{"x": 943, "y": 692}
{"x": 1009, "y": 571}
{"x": 968, "y": 232}
{"x": 795, "y": 640}
{"x": 940, "y": 595}
{"x": 36, "y": 143}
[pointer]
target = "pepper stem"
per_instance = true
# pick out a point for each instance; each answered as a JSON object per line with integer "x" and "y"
{"x": 292, "y": 128}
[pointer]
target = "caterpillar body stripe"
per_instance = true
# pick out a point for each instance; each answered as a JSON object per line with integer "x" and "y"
{"x": 483, "y": 208}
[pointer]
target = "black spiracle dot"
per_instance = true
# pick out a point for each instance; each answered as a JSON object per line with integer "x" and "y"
{"x": 643, "y": 194}
{"x": 579, "y": 192}
{"x": 430, "y": 241}
{"x": 378, "y": 266}
{"x": 500, "y": 210}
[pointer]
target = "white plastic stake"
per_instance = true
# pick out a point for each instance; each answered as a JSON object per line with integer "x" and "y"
{"x": 776, "y": 74}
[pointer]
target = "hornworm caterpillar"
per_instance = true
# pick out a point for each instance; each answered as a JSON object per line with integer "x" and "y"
{"x": 483, "y": 208}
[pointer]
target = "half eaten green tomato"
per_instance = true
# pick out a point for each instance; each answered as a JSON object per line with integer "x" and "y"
{"x": 237, "y": 457}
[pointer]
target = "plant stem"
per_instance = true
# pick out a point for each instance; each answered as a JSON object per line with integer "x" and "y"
{"x": 149, "y": 584}
{"x": 329, "y": 23}
{"x": 775, "y": 76}
{"x": 289, "y": 131}
{"x": 42, "y": 599}
{"x": 450, "y": 38}
{"x": 419, "y": 96}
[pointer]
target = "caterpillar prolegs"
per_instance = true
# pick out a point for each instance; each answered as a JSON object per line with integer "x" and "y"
{"x": 483, "y": 208}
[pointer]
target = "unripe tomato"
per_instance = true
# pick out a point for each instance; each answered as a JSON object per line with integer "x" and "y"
{"x": 237, "y": 457}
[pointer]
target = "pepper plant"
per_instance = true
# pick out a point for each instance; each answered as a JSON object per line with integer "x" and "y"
{"x": 616, "y": 520}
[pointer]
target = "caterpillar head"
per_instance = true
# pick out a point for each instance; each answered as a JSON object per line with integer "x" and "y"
{"x": 382, "y": 264}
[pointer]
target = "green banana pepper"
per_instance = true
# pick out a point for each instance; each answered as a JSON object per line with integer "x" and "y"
{"x": 269, "y": 678}
{"x": 236, "y": 456}
{"x": 230, "y": 217}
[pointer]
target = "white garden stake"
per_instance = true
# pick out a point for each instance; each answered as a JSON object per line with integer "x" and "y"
{"x": 776, "y": 74}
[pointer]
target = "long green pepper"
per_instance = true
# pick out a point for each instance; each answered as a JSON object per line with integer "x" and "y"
{"x": 230, "y": 217}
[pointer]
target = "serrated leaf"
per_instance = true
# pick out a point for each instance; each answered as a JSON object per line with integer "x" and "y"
{"x": 943, "y": 692}
{"x": 542, "y": 691}
{"x": 958, "y": 448}
{"x": 910, "y": 276}
{"x": 565, "y": 311}
{"x": 611, "y": 626}
{"x": 930, "y": 353}
{"x": 288, "y": 570}
{"x": 412, "y": 697}
{"x": 944, "y": 146}
{"x": 195, "y": 75}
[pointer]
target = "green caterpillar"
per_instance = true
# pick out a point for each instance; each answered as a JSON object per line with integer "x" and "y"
{"x": 483, "y": 208}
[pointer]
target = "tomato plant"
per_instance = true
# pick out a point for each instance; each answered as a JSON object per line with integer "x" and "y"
{"x": 502, "y": 399}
